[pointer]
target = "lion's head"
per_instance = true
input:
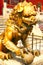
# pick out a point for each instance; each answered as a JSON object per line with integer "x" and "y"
{"x": 23, "y": 16}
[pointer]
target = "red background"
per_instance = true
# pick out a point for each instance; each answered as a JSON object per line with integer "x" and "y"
{"x": 36, "y": 1}
{"x": 33, "y": 1}
{"x": 1, "y": 6}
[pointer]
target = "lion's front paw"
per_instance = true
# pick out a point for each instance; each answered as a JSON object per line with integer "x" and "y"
{"x": 5, "y": 56}
{"x": 8, "y": 56}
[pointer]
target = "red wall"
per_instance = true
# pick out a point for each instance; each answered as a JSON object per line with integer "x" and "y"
{"x": 33, "y": 1}
{"x": 1, "y": 6}
{"x": 36, "y": 1}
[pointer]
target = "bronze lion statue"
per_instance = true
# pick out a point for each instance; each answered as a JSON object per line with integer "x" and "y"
{"x": 18, "y": 27}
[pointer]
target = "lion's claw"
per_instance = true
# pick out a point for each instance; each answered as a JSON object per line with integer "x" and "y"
{"x": 5, "y": 56}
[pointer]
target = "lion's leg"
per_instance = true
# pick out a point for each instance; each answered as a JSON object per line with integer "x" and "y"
{"x": 11, "y": 46}
{"x": 3, "y": 54}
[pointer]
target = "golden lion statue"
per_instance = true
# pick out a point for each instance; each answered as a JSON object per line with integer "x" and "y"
{"x": 19, "y": 26}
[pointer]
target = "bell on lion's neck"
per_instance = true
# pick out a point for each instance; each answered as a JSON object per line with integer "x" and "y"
{"x": 23, "y": 0}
